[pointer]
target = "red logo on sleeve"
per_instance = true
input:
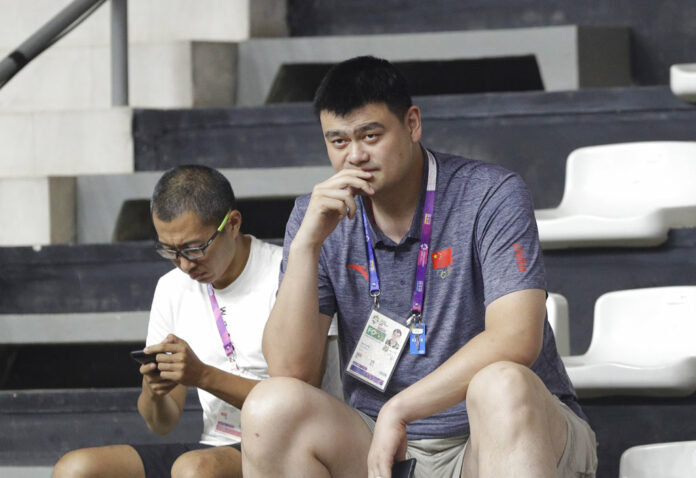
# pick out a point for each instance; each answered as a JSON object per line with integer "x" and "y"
{"x": 360, "y": 269}
{"x": 442, "y": 258}
{"x": 520, "y": 257}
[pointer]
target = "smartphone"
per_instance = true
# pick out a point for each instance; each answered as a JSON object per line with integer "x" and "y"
{"x": 142, "y": 358}
{"x": 404, "y": 469}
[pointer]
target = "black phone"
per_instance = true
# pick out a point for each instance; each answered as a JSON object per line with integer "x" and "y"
{"x": 141, "y": 357}
{"x": 404, "y": 469}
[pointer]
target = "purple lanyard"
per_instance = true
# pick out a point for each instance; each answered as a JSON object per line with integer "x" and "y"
{"x": 222, "y": 328}
{"x": 426, "y": 229}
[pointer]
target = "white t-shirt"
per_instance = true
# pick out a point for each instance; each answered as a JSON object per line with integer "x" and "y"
{"x": 181, "y": 307}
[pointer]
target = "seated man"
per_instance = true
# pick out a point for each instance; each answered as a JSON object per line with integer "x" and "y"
{"x": 442, "y": 248}
{"x": 206, "y": 324}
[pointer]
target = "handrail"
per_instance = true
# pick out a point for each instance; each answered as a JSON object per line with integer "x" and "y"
{"x": 62, "y": 24}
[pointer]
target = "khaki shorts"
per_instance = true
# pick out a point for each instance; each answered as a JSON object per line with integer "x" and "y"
{"x": 443, "y": 457}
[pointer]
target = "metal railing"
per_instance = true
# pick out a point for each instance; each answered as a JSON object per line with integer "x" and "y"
{"x": 62, "y": 24}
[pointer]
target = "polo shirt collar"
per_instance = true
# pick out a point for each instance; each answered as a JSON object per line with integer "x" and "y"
{"x": 414, "y": 232}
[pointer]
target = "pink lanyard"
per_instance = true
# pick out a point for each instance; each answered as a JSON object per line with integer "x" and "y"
{"x": 221, "y": 326}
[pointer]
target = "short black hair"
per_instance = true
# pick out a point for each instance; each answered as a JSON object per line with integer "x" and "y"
{"x": 193, "y": 188}
{"x": 360, "y": 81}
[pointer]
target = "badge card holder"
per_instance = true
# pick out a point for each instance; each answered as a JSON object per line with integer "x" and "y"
{"x": 228, "y": 422}
{"x": 378, "y": 350}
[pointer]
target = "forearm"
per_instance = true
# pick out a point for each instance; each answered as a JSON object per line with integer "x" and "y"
{"x": 448, "y": 384}
{"x": 228, "y": 387}
{"x": 160, "y": 412}
{"x": 295, "y": 334}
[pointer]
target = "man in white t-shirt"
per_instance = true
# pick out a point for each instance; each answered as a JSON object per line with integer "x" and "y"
{"x": 206, "y": 326}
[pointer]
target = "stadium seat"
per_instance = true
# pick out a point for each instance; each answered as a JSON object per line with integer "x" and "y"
{"x": 557, "y": 315}
{"x": 659, "y": 460}
{"x": 624, "y": 194}
{"x": 642, "y": 344}
{"x": 682, "y": 81}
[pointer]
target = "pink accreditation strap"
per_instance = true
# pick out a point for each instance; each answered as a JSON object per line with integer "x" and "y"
{"x": 221, "y": 326}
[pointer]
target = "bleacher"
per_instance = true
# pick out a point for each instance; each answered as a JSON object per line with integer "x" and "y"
{"x": 77, "y": 266}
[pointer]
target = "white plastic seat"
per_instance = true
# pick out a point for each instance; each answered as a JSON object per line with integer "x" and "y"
{"x": 659, "y": 460}
{"x": 557, "y": 315}
{"x": 682, "y": 81}
{"x": 643, "y": 343}
{"x": 625, "y": 194}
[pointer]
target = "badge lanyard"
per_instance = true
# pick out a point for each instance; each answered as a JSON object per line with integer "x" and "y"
{"x": 222, "y": 327}
{"x": 414, "y": 319}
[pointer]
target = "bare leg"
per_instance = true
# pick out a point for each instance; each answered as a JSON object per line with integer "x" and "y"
{"x": 517, "y": 426}
{"x": 290, "y": 429}
{"x": 117, "y": 461}
{"x": 218, "y": 462}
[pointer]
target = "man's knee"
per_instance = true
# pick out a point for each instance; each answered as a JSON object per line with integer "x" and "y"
{"x": 273, "y": 413}
{"x": 276, "y": 402}
{"x": 504, "y": 387}
{"x": 205, "y": 464}
{"x": 77, "y": 464}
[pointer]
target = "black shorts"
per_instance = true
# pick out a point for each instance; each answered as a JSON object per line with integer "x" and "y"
{"x": 158, "y": 459}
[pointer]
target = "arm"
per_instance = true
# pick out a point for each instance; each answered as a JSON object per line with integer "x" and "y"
{"x": 295, "y": 335}
{"x": 514, "y": 332}
{"x": 180, "y": 365}
{"x": 161, "y": 401}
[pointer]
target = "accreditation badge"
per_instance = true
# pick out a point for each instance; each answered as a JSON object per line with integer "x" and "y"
{"x": 378, "y": 350}
{"x": 228, "y": 422}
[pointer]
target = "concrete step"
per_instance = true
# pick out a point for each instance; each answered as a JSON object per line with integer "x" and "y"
{"x": 39, "y": 426}
{"x": 66, "y": 143}
{"x": 175, "y": 74}
{"x": 37, "y": 210}
{"x": 26, "y": 471}
{"x": 531, "y": 133}
{"x": 154, "y": 21}
{"x": 100, "y": 197}
{"x": 659, "y": 40}
{"x": 569, "y": 57}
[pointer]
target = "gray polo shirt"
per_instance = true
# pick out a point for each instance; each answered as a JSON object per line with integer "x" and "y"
{"x": 484, "y": 245}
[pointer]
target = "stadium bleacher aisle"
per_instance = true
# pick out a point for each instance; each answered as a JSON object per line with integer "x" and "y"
{"x": 70, "y": 160}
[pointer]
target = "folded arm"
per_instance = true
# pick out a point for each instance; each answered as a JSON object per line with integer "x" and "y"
{"x": 513, "y": 332}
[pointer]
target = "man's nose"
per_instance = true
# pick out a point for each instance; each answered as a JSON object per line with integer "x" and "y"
{"x": 356, "y": 154}
{"x": 185, "y": 264}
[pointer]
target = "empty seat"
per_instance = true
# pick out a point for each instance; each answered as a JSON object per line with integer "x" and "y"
{"x": 642, "y": 344}
{"x": 682, "y": 81}
{"x": 625, "y": 194}
{"x": 659, "y": 460}
{"x": 557, "y": 315}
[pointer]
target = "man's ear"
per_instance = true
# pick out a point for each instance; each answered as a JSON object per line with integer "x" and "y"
{"x": 234, "y": 223}
{"x": 412, "y": 121}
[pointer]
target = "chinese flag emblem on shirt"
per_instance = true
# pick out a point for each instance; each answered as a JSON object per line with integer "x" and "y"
{"x": 442, "y": 258}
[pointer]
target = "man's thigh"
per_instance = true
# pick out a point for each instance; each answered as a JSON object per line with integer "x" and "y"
{"x": 435, "y": 458}
{"x": 287, "y": 420}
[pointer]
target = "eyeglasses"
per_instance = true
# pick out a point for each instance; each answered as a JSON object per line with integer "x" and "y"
{"x": 190, "y": 253}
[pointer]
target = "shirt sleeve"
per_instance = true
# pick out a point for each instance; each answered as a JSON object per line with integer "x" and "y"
{"x": 508, "y": 241}
{"x": 327, "y": 298}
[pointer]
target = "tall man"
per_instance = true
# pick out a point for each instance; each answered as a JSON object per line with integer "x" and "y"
{"x": 442, "y": 248}
{"x": 206, "y": 324}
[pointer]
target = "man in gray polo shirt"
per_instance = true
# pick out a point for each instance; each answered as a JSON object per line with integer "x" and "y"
{"x": 433, "y": 266}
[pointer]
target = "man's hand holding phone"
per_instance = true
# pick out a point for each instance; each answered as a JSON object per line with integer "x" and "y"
{"x": 151, "y": 375}
{"x": 175, "y": 363}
